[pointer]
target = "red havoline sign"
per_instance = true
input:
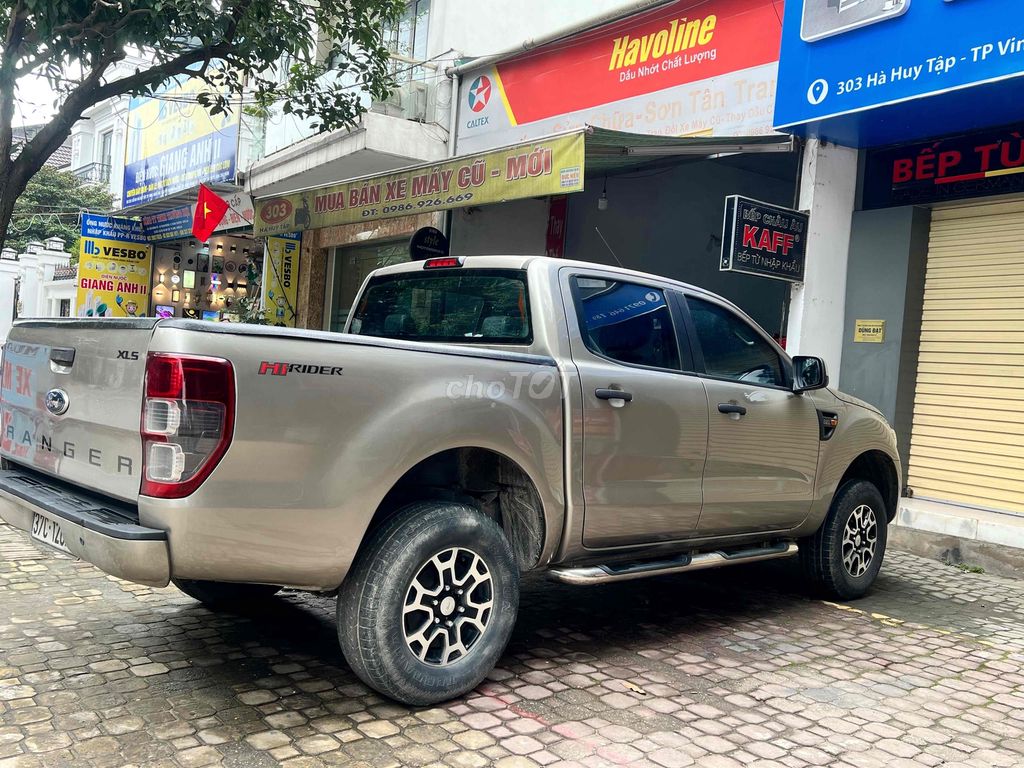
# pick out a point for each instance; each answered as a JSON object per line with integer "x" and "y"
{"x": 763, "y": 239}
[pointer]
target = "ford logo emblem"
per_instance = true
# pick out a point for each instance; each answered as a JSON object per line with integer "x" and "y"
{"x": 57, "y": 402}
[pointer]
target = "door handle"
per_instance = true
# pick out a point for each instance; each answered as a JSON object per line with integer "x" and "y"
{"x": 613, "y": 394}
{"x": 732, "y": 408}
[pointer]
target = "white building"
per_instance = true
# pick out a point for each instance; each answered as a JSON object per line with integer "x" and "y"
{"x": 37, "y": 283}
{"x": 98, "y": 139}
{"x": 412, "y": 126}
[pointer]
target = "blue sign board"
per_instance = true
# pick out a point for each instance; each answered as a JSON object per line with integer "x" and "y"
{"x": 873, "y": 72}
{"x": 172, "y": 224}
{"x": 95, "y": 225}
{"x": 174, "y": 143}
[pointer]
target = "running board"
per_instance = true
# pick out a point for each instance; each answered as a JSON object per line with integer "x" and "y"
{"x": 602, "y": 574}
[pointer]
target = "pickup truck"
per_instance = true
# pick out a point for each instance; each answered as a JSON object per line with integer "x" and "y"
{"x": 480, "y": 417}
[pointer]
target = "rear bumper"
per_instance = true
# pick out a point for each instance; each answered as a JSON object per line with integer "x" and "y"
{"x": 95, "y": 529}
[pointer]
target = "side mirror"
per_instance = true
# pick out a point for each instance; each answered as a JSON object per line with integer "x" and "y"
{"x": 809, "y": 373}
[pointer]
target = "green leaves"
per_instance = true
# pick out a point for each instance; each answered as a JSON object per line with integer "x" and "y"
{"x": 277, "y": 47}
{"x": 50, "y": 205}
{"x": 274, "y": 52}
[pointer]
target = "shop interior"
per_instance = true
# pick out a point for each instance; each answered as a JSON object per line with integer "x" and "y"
{"x": 203, "y": 281}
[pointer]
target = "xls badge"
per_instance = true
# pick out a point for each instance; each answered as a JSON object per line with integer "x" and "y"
{"x": 57, "y": 402}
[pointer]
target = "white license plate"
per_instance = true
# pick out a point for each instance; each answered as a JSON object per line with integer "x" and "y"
{"x": 48, "y": 532}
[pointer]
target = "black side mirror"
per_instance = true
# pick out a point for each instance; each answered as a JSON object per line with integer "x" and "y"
{"x": 809, "y": 373}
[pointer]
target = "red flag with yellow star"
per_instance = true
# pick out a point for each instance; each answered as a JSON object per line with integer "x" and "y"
{"x": 210, "y": 210}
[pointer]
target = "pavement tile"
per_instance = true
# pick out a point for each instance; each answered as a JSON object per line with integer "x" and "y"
{"x": 735, "y": 668}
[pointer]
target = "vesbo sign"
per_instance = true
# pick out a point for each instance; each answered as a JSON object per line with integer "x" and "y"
{"x": 763, "y": 239}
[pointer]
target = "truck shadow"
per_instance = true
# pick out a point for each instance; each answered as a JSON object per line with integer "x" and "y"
{"x": 599, "y": 621}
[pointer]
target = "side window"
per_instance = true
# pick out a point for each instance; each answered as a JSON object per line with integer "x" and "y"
{"x": 626, "y": 322}
{"x": 732, "y": 348}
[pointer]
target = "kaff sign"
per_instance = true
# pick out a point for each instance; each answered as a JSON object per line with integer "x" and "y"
{"x": 763, "y": 239}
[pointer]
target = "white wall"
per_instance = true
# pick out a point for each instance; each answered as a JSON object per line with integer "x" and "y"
{"x": 87, "y": 145}
{"x": 39, "y": 293}
{"x": 479, "y": 29}
{"x": 828, "y": 190}
{"x": 461, "y": 29}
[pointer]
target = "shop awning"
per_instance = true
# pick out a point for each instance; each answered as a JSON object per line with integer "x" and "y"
{"x": 551, "y": 165}
{"x": 609, "y": 152}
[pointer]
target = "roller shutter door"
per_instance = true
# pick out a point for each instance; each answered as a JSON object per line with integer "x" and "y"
{"x": 967, "y": 443}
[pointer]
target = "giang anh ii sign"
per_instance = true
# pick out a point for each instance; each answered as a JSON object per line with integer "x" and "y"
{"x": 763, "y": 239}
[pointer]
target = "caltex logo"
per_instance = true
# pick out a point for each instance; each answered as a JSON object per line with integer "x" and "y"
{"x": 479, "y": 93}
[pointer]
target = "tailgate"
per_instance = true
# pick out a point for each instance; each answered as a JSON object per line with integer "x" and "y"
{"x": 71, "y": 393}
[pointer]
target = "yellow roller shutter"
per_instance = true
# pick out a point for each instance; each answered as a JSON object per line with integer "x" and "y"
{"x": 967, "y": 444}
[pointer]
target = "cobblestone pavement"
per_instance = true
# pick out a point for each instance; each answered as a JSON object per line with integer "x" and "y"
{"x": 727, "y": 668}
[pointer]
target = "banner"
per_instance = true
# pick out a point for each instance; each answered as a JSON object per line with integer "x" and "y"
{"x": 954, "y": 168}
{"x": 114, "y": 268}
{"x": 545, "y": 167}
{"x": 281, "y": 278}
{"x": 176, "y": 223}
{"x": 174, "y": 143}
{"x": 172, "y": 224}
{"x": 686, "y": 69}
{"x": 857, "y": 72}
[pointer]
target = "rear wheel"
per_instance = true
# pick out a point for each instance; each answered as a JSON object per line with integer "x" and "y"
{"x": 223, "y": 593}
{"x": 429, "y": 605}
{"x": 844, "y": 556}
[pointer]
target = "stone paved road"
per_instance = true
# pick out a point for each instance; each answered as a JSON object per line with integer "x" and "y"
{"x": 722, "y": 669}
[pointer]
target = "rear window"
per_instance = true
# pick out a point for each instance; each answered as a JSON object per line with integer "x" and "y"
{"x": 483, "y": 306}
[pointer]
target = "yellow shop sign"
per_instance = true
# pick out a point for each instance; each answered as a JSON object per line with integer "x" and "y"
{"x": 549, "y": 166}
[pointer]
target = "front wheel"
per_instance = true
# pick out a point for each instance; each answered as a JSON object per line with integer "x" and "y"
{"x": 429, "y": 605}
{"x": 844, "y": 555}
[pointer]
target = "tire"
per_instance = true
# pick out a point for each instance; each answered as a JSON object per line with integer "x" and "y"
{"x": 834, "y": 560}
{"x": 437, "y": 651}
{"x": 223, "y": 594}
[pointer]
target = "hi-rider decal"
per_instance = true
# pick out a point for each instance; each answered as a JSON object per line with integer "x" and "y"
{"x": 283, "y": 369}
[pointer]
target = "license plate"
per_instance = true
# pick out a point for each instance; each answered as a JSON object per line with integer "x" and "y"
{"x": 48, "y": 532}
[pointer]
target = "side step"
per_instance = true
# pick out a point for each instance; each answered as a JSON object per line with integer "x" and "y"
{"x": 602, "y": 574}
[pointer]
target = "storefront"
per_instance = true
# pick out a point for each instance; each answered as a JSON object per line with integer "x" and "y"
{"x": 202, "y": 280}
{"x": 966, "y": 434}
{"x": 152, "y": 264}
{"x": 359, "y": 225}
{"x": 934, "y": 312}
{"x": 679, "y": 103}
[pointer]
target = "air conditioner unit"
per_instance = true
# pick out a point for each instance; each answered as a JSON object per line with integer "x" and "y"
{"x": 419, "y": 103}
{"x": 392, "y": 106}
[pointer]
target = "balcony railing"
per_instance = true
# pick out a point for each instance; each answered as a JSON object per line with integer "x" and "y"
{"x": 94, "y": 173}
{"x": 65, "y": 273}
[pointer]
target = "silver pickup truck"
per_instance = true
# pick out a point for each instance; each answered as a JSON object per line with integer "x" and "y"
{"x": 481, "y": 417}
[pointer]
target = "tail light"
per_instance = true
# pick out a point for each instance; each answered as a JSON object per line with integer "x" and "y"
{"x": 187, "y": 422}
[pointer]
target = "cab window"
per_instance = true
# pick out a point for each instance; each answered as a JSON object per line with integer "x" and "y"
{"x": 462, "y": 306}
{"x": 732, "y": 348}
{"x": 626, "y": 322}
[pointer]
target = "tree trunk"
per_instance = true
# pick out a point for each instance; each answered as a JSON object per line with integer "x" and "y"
{"x": 10, "y": 188}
